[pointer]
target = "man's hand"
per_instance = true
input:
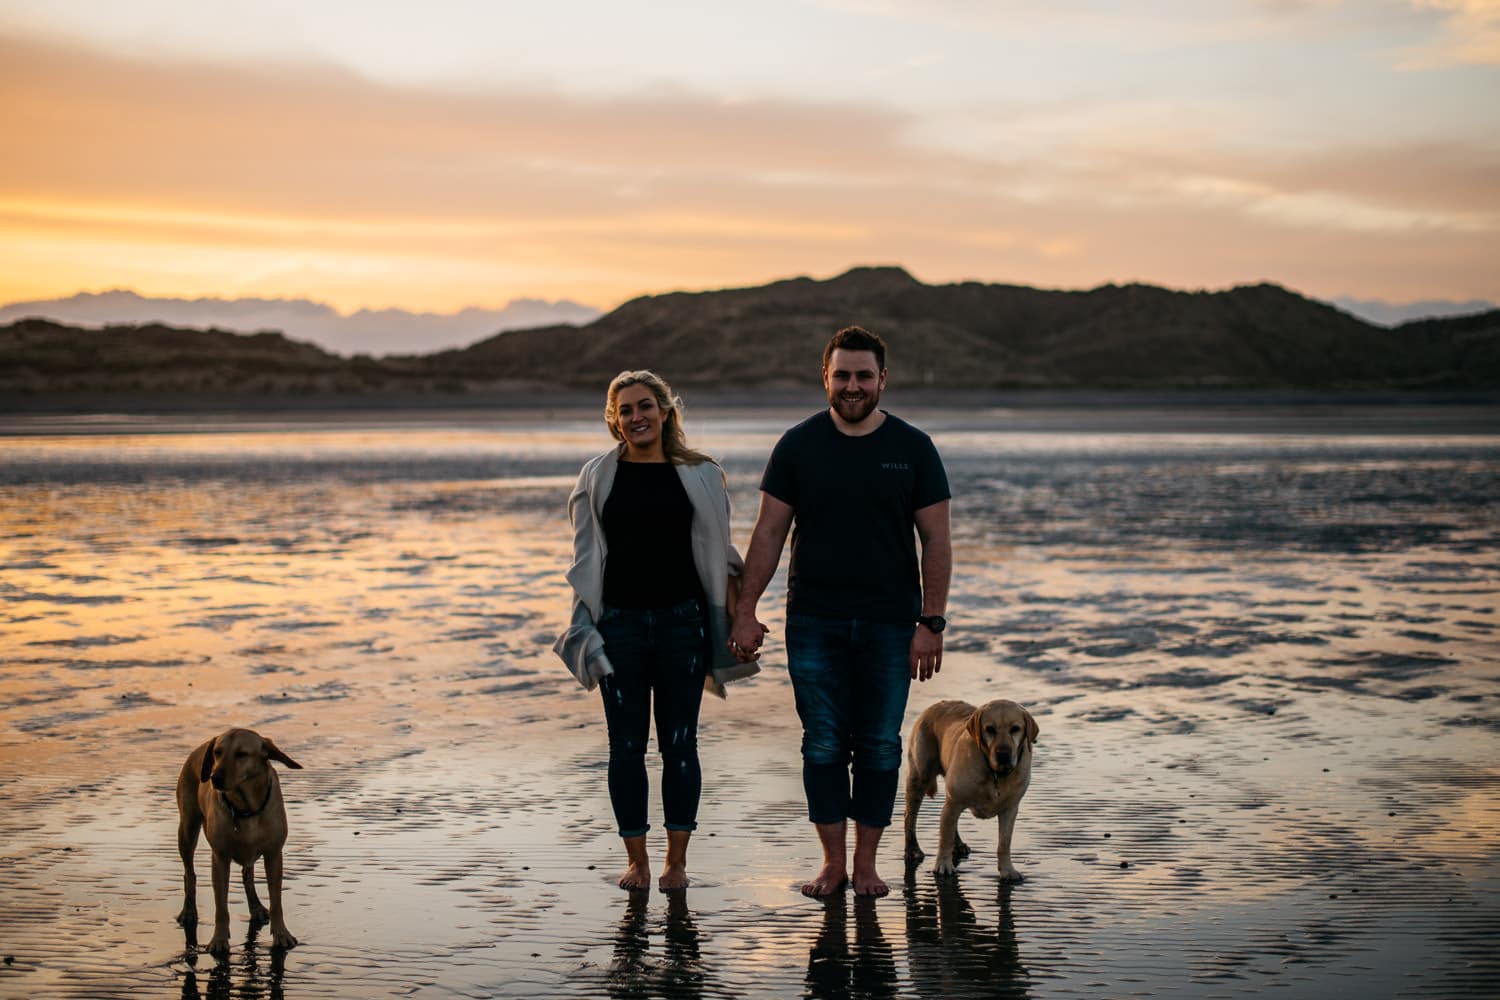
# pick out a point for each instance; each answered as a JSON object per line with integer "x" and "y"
{"x": 926, "y": 653}
{"x": 745, "y": 638}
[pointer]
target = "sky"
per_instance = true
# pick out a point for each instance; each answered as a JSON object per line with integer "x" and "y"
{"x": 444, "y": 155}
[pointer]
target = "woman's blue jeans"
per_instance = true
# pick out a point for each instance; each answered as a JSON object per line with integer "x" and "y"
{"x": 850, "y": 678}
{"x": 660, "y": 655}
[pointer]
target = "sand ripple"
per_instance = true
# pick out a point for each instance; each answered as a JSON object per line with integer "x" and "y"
{"x": 1264, "y": 670}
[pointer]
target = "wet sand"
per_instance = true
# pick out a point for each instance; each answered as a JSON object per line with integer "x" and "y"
{"x": 1264, "y": 664}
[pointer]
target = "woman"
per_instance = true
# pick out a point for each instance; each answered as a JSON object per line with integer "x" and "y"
{"x": 653, "y": 575}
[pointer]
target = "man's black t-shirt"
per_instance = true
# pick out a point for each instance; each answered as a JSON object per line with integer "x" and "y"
{"x": 854, "y": 550}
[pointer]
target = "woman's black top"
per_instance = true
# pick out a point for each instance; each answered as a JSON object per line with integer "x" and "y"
{"x": 648, "y": 526}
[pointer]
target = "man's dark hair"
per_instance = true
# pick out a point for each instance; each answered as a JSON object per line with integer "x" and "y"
{"x": 856, "y": 338}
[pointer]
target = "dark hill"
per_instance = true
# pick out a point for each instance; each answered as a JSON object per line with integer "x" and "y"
{"x": 969, "y": 336}
{"x": 994, "y": 336}
{"x": 40, "y": 356}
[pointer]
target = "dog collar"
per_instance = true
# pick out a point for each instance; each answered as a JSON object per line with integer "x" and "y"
{"x": 237, "y": 814}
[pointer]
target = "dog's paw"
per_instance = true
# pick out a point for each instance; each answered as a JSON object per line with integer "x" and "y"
{"x": 944, "y": 868}
{"x": 914, "y": 854}
{"x": 219, "y": 944}
{"x": 283, "y": 939}
{"x": 258, "y": 913}
{"x": 1009, "y": 875}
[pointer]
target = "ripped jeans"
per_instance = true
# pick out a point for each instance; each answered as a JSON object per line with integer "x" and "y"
{"x": 659, "y": 654}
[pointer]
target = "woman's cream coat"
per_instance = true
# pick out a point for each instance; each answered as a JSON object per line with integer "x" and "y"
{"x": 581, "y": 647}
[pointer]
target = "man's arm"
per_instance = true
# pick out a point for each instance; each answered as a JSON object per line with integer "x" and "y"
{"x": 772, "y": 523}
{"x": 937, "y": 570}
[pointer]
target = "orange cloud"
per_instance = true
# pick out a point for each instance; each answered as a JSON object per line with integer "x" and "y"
{"x": 195, "y": 179}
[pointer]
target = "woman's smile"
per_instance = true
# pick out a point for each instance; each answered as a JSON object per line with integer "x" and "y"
{"x": 639, "y": 421}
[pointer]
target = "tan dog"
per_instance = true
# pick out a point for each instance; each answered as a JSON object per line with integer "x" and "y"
{"x": 228, "y": 789}
{"x": 984, "y": 756}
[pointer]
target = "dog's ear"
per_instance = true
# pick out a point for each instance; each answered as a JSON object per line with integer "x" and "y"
{"x": 206, "y": 769}
{"x": 976, "y": 726}
{"x": 274, "y": 753}
{"x": 1032, "y": 730}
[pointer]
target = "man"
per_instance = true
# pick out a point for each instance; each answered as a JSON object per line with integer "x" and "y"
{"x": 864, "y": 617}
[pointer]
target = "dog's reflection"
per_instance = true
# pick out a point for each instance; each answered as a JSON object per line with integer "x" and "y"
{"x": 634, "y": 973}
{"x": 835, "y": 968}
{"x": 951, "y": 953}
{"x": 252, "y": 973}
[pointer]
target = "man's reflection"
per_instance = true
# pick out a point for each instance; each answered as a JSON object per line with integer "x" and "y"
{"x": 834, "y": 969}
{"x": 951, "y": 954}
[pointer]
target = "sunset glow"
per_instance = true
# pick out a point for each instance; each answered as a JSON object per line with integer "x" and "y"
{"x": 461, "y": 157}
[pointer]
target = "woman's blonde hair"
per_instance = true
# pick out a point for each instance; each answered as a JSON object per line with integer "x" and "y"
{"x": 673, "y": 441}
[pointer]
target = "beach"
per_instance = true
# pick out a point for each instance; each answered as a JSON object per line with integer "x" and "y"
{"x": 1261, "y": 649}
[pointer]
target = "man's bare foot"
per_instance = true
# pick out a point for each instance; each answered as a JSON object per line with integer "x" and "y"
{"x": 830, "y": 879}
{"x": 636, "y": 877}
{"x": 675, "y": 877}
{"x": 869, "y": 883}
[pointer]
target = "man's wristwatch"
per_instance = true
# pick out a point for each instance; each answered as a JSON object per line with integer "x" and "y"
{"x": 935, "y": 623}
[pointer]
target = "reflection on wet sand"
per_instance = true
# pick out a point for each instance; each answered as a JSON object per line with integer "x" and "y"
{"x": 835, "y": 969}
{"x": 252, "y": 972}
{"x": 634, "y": 974}
{"x": 1264, "y": 667}
{"x": 950, "y": 953}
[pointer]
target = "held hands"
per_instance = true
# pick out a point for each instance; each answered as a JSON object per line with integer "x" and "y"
{"x": 926, "y": 653}
{"x": 745, "y": 638}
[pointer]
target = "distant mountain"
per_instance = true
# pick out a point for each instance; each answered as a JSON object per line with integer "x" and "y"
{"x": 378, "y": 331}
{"x": 1395, "y": 313}
{"x": 941, "y": 337}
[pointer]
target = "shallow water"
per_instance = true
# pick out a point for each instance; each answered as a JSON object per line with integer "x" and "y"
{"x": 1263, "y": 659}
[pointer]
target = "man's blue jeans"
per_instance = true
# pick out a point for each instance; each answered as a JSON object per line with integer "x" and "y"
{"x": 660, "y": 655}
{"x": 850, "y": 678}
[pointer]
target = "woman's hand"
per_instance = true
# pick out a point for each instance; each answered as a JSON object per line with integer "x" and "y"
{"x": 745, "y": 639}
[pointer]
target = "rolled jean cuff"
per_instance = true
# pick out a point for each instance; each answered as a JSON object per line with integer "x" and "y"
{"x": 636, "y": 833}
{"x": 679, "y": 827}
{"x": 874, "y": 798}
{"x": 827, "y": 788}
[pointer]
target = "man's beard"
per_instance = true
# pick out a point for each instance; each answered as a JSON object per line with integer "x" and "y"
{"x": 854, "y": 411}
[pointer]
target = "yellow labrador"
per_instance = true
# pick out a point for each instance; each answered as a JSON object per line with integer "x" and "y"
{"x": 228, "y": 789}
{"x": 984, "y": 756}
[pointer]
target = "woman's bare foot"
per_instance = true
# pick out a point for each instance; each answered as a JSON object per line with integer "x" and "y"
{"x": 636, "y": 877}
{"x": 638, "y": 872}
{"x": 675, "y": 876}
